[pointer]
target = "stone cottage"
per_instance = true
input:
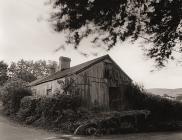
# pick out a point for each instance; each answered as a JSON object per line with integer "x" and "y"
{"x": 100, "y": 82}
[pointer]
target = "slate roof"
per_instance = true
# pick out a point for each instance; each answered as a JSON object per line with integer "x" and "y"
{"x": 72, "y": 70}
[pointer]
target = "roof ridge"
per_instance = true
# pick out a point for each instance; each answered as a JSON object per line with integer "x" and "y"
{"x": 93, "y": 59}
{"x": 72, "y": 70}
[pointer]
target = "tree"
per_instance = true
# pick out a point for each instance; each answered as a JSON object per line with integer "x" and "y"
{"x": 11, "y": 94}
{"x": 22, "y": 70}
{"x": 110, "y": 21}
{"x": 3, "y": 72}
{"x": 29, "y": 71}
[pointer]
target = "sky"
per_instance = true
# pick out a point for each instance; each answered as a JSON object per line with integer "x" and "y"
{"x": 25, "y": 33}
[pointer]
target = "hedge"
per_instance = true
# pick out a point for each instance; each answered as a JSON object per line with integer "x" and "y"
{"x": 11, "y": 94}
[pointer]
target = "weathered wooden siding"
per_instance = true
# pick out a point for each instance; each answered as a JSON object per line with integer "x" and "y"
{"x": 94, "y": 83}
{"x": 114, "y": 75}
{"x": 116, "y": 78}
{"x": 41, "y": 89}
{"x": 90, "y": 84}
{"x": 93, "y": 86}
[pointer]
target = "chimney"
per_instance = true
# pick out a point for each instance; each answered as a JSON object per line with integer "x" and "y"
{"x": 52, "y": 71}
{"x": 64, "y": 63}
{"x": 53, "y": 67}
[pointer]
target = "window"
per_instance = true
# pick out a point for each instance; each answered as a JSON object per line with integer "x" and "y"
{"x": 49, "y": 91}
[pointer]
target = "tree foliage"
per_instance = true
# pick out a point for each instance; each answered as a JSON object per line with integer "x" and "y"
{"x": 3, "y": 72}
{"x": 11, "y": 94}
{"x": 29, "y": 71}
{"x": 112, "y": 21}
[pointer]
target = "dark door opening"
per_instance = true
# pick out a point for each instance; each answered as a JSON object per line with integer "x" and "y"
{"x": 114, "y": 98}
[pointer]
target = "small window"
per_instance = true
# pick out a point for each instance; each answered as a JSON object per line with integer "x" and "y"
{"x": 49, "y": 91}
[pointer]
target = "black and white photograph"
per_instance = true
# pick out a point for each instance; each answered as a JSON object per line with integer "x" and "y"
{"x": 90, "y": 69}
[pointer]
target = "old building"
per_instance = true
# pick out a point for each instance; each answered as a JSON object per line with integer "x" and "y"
{"x": 100, "y": 82}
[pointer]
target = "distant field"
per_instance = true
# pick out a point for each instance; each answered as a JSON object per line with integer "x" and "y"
{"x": 176, "y": 93}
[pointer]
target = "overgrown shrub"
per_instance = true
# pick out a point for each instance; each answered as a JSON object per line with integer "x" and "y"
{"x": 162, "y": 109}
{"x": 11, "y": 94}
{"x": 114, "y": 123}
{"x": 50, "y": 107}
{"x": 54, "y": 111}
{"x": 27, "y": 107}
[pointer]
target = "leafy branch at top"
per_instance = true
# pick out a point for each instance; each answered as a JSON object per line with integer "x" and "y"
{"x": 112, "y": 21}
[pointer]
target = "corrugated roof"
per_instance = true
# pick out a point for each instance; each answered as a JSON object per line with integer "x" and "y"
{"x": 72, "y": 70}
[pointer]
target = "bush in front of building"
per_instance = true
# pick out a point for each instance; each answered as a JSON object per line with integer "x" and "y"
{"x": 11, "y": 94}
{"x": 64, "y": 112}
{"x": 162, "y": 109}
{"x": 27, "y": 108}
{"x": 52, "y": 112}
{"x": 114, "y": 122}
{"x": 51, "y": 106}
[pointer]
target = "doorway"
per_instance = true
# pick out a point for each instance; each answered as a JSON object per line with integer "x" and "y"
{"x": 114, "y": 98}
